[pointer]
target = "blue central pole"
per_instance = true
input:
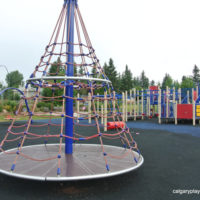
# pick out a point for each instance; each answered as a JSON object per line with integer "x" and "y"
{"x": 69, "y": 72}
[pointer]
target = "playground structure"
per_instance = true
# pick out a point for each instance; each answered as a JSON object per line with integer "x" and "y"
{"x": 168, "y": 104}
{"x": 180, "y": 104}
{"x": 61, "y": 153}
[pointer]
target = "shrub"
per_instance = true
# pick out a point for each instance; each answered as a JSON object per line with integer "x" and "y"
{"x": 41, "y": 104}
{"x": 44, "y": 109}
{"x": 1, "y": 108}
{"x": 10, "y": 106}
{"x": 16, "y": 97}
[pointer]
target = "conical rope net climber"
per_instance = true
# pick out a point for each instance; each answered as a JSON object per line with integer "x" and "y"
{"x": 68, "y": 69}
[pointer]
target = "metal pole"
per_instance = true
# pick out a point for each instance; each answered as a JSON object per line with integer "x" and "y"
{"x": 69, "y": 72}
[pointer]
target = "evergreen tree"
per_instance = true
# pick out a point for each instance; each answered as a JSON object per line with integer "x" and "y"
{"x": 144, "y": 81}
{"x": 80, "y": 71}
{"x": 126, "y": 80}
{"x": 152, "y": 83}
{"x": 136, "y": 83}
{"x": 111, "y": 73}
{"x": 94, "y": 72}
{"x": 196, "y": 75}
{"x": 167, "y": 81}
{"x": 183, "y": 78}
{"x": 75, "y": 70}
{"x": 187, "y": 82}
{"x": 119, "y": 77}
{"x": 176, "y": 84}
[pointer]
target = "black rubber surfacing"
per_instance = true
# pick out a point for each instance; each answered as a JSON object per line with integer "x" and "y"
{"x": 171, "y": 162}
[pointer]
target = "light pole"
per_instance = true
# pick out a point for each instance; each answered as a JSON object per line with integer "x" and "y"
{"x": 4, "y": 66}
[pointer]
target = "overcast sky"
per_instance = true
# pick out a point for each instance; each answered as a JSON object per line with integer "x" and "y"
{"x": 158, "y": 36}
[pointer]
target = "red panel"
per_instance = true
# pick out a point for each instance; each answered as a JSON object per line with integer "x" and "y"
{"x": 153, "y": 87}
{"x": 115, "y": 125}
{"x": 195, "y": 95}
{"x": 184, "y": 111}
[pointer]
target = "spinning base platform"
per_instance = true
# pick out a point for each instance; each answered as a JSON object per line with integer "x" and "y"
{"x": 87, "y": 162}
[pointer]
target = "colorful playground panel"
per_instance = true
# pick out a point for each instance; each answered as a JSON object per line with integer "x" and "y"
{"x": 198, "y": 110}
{"x": 153, "y": 87}
{"x": 184, "y": 111}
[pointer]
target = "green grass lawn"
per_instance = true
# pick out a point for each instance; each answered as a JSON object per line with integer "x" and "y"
{"x": 21, "y": 118}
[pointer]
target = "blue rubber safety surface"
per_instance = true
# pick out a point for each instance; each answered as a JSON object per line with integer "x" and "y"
{"x": 180, "y": 129}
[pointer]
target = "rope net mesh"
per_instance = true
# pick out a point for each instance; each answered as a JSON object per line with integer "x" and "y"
{"x": 51, "y": 75}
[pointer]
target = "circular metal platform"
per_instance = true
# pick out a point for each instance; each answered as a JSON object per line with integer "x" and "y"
{"x": 87, "y": 162}
{"x": 68, "y": 78}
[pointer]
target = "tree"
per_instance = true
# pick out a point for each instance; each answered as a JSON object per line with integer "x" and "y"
{"x": 196, "y": 75}
{"x": 75, "y": 69}
{"x": 1, "y": 86}
{"x": 94, "y": 72}
{"x": 80, "y": 71}
{"x": 183, "y": 78}
{"x": 111, "y": 73}
{"x": 158, "y": 84}
{"x": 126, "y": 80}
{"x": 136, "y": 83}
{"x": 57, "y": 68}
{"x": 187, "y": 82}
{"x": 152, "y": 83}
{"x": 176, "y": 84}
{"x": 119, "y": 77}
{"x": 14, "y": 79}
{"x": 144, "y": 81}
{"x": 167, "y": 81}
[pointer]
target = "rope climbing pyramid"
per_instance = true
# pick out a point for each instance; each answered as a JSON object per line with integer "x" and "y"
{"x": 69, "y": 143}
